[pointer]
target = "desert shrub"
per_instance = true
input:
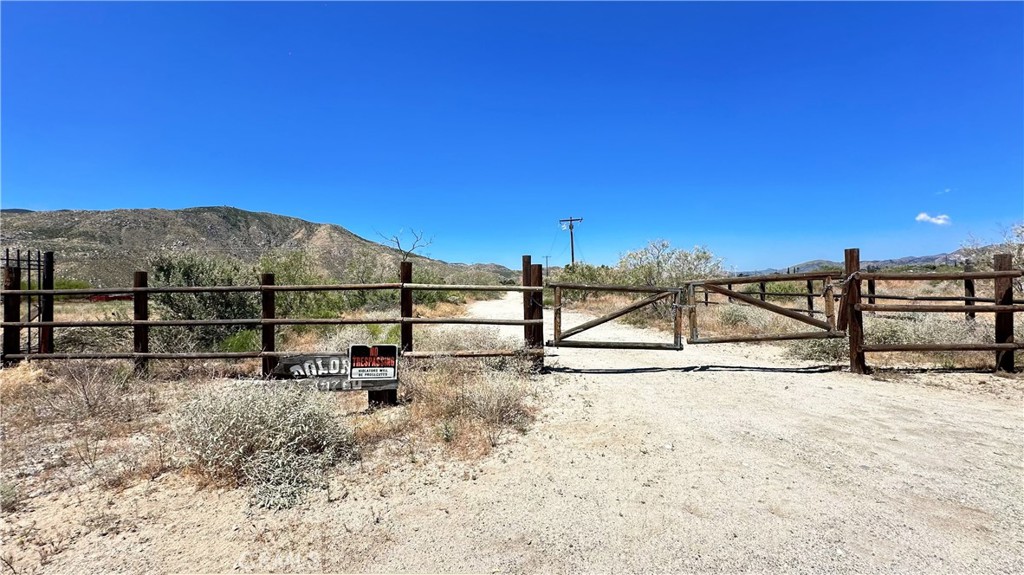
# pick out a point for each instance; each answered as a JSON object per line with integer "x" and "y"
{"x": 1012, "y": 243}
{"x": 733, "y": 315}
{"x": 740, "y": 316}
{"x": 11, "y": 496}
{"x": 834, "y": 350}
{"x": 459, "y": 394}
{"x": 272, "y": 437}
{"x": 340, "y": 338}
{"x": 365, "y": 267}
{"x": 659, "y": 264}
{"x": 279, "y": 479}
{"x": 204, "y": 270}
{"x": 584, "y": 273}
{"x": 773, "y": 288}
{"x": 300, "y": 268}
{"x": 423, "y": 275}
{"x": 246, "y": 340}
{"x": 914, "y": 328}
{"x": 73, "y": 391}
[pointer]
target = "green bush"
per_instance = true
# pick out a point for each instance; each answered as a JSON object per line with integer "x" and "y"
{"x": 300, "y": 268}
{"x": 204, "y": 270}
{"x": 245, "y": 340}
{"x": 584, "y": 273}
{"x": 422, "y": 275}
{"x": 773, "y": 288}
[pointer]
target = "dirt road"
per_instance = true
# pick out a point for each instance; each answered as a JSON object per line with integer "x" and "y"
{"x": 717, "y": 458}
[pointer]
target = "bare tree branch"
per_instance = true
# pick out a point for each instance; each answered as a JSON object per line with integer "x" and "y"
{"x": 418, "y": 242}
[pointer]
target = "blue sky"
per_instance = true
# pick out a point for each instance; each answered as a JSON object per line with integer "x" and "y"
{"x": 773, "y": 133}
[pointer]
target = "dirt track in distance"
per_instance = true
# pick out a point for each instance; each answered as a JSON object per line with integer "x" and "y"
{"x": 720, "y": 458}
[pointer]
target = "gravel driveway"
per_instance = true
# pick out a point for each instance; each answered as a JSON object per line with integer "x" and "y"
{"x": 719, "y": 458}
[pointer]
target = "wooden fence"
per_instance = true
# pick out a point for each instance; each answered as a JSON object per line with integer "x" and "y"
{"x": 268, "y": 321}
{"x": 1001, "y": 303}
{"x": 845, "y": 287}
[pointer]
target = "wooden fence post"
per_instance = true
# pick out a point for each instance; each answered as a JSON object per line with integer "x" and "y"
{"x": 12, "y": 312}
{"x": 405, "y": 276}
{"x": 46, "y": 306}
{"x": 810, "y": 297}
{"x": 140, "y": 333}
{"x": 729, "y": 287}
{"x": 527, "y": 298}
{"x": 969, "y": 290}
{"x": 384, "y": 397}
{"x": 830, "y": 303}
{"x": 537, "y": 312}
{"x": 558, "y": 314}
{"x": 855, "y": 319}
{"x": 763, "y": 287}
{"x": 1004, "y": 320}
{"x": 871, "y": 292}
{"x": 691, "y": 313}
{"x": 268, "y": 304}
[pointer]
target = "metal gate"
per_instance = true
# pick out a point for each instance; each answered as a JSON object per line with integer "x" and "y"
{"x": 685, "y": 298}
{"x": 826, "y": 328}
{"x": 658, "y": 294}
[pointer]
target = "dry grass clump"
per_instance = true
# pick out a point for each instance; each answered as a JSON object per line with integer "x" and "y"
{"x": 466, "y": 399}
{"x": 69, "y": 423}
{"x": 915, "y": 328}
{"x": 276, "y": 438}
{"x": 72, "y": 392}
{"x": 466, "y": 405}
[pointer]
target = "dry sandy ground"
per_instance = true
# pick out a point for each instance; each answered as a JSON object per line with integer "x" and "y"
{"x": 714, "y": 459}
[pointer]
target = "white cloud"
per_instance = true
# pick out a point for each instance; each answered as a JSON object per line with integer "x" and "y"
{"x": 940, "y": 220}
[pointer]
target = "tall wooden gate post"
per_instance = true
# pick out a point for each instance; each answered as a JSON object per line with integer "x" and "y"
{"x": 12, "y": 312}
{"x": 405, "y": 276}
{"x": 1004, "y": 320}
{"x": 268, "y": 305}
{"x": 383, "y": 397}
{"x": 855, "y": 319}
{"x": 140, "y": 307}
{"x": 527, "y": 299}
{"x": 537, "y": 313}
{"x": 46, "y": 305}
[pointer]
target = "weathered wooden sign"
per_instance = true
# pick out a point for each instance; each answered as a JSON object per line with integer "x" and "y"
{"x": 365, "y": 368}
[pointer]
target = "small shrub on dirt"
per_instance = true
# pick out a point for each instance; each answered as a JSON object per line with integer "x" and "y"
{"x": 459, "y": 395}
{"x": 247, "y": 433}
{"x": 72, "y": 391}
{"x": 834, "y": 350}
{"x": 11, "y": 496}
{"x": 280, "y": 479}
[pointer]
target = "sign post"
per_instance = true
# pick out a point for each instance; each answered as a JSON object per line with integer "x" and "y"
{"x": 365, "y": 368}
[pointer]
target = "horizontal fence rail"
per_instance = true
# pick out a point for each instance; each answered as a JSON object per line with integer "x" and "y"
{"x": 140, "y": 323}
{"x": 1001, "y": 304}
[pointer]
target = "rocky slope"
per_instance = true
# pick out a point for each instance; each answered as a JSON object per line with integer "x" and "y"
{"x": 105, "y": 247}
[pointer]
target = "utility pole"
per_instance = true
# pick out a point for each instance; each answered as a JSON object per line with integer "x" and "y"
{"x": 572, "y": 240}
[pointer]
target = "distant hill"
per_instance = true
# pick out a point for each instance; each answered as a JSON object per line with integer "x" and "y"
{"x": 955, "y": 258}
{"x": 105, "y": 247}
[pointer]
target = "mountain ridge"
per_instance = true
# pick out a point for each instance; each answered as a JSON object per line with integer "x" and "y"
{"x": 104, "y": 247}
